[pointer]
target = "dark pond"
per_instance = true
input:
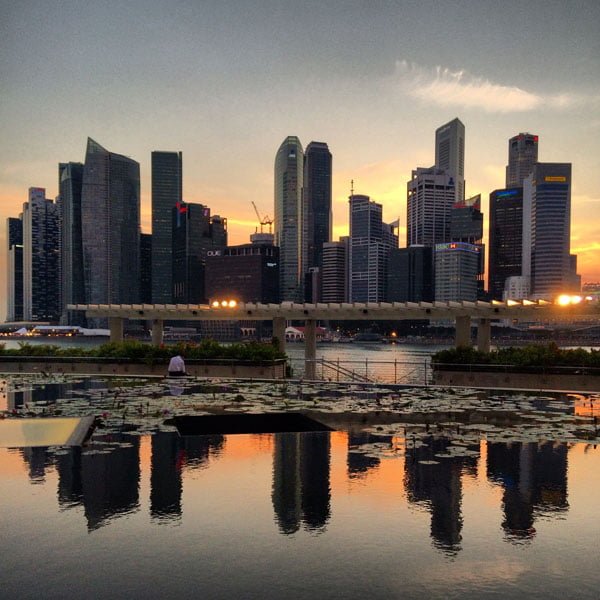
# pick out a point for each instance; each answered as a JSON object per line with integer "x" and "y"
{"x": 310, "y": 515}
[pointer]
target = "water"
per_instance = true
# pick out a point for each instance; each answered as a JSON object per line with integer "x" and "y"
{"x": 488, "y": 505}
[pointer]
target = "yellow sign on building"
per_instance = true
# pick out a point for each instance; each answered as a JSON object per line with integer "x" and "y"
{"x": 561, "y": 178}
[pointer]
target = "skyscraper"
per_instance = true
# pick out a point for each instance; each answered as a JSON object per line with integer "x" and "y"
{"x": 450, "y": 154}
{"x": 110, "y": 220}
{"x": 72, "y": 288}
{"x": 289, "y": 167}
{"x": 456, "y": 269}
{"x": 547, "y": 230}
{"x": 335, "y": 271}
{"x": 410, "y": 274}
{"x": 14, "y": 275}
{"x": 522, "y": 156}
{"x": 167, "y": 178}
{"x": 316, "y": 201}
{"x": 505, "y": 238}
{"x": 41, "y": 232}
{"x": 370, "y": 243}
{"x": 431, "y": 194}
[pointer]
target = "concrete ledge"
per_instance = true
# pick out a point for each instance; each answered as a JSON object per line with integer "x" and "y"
{"x": 525, "y": 381}
{"x": 198, "y": 368}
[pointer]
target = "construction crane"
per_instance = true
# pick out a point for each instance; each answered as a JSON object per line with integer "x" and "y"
{"x": 266, "y": 220}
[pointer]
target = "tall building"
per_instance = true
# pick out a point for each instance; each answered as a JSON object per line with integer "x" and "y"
{"x": 167, "y": 185}
{"x": 410, "y": 274}
{"x": 522, "y": 156}
{"x": 72, "y": 287}
{"x": 450, "y": 154}
{"x": 316, "y": 201}
{"x": 110, "y": 222}
{"x": 334, "y": 282}
{"x": 547, "y": 230}
{"x": 466, "y": 225}
{"x": 41, "y": 258}
{"x": 14, "y": 267}
{"x": 246, "y": 273}
{"x": 371, "y": 241}
{"x": 505, "y": 238}
{"x": 431, "y": 195}
{"x": 456, "y": 268}
{"x": 289, "y": 171}
{"x": 195, "y": 236}
{"x": 146, "y": 268}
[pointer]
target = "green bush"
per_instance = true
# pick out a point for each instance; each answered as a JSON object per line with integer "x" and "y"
{"x": 549, "y": 355}
{"x": 135, "y": 350}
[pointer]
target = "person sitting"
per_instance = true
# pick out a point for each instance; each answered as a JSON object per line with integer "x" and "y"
{"x": 177, "y": 367}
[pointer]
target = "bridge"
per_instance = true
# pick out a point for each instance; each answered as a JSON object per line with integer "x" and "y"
{"x": 462, "y": 313}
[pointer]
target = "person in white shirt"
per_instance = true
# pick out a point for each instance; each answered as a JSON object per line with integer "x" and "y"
{"x": 177, "y": 367}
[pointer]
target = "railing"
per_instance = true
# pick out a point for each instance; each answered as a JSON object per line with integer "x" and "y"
{"x": 373, "y": 371}
{"x": 531, "y": 369}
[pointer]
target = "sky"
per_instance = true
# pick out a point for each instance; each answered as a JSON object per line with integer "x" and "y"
{"x": 226, "y": 82}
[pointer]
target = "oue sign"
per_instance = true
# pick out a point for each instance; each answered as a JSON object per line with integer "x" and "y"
{"x": 213, "y": 253}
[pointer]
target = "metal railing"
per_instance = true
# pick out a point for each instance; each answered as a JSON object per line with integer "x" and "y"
{"x": 369, "y": 371}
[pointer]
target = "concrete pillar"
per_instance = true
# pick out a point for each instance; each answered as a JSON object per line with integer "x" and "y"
{"x": 115, "y": 325}
{"x": 463, "y": 332}
{"x": 484, "y": 334}
{"x": 157, "y": 332}
{"x": 279, "y": 332}
{"x": 310, "y": 349}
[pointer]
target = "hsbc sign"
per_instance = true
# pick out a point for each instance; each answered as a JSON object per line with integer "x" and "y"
{"x": 213, "y": 253}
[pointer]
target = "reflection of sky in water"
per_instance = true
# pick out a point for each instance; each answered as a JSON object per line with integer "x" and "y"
{"x": 319, "y": 515}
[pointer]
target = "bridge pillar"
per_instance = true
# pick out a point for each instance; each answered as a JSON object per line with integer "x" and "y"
{"x": 463, "y": 332}
{"x": 115, "y": 325}
{"x": 310, "y": 349}
{"x": 157, "y": 332}
{"x": 484, "y": 334}
{"x": 279, "y": 332}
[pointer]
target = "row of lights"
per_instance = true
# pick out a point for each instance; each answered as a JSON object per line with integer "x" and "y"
{"x": 567, "y": 300}
{"x": 223, "y": 303}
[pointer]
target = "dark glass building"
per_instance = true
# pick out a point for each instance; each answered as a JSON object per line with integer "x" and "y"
{"x": 195, "y": 235}
{"x": 146, "y": 268}
{"x": 72, "y": 286}
{"x": 505, "y": 238}
{"x": 110, "y": 221}
{"x": 167, "y": 178}
{"x": 41, "y": 258}
{"x": 246, "y": 273}
{"x": 410, "y": 274}
{"x": 316, "y": 203}
{"x": 14, "y": 276}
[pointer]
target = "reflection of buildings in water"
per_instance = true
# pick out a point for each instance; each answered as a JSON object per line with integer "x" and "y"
{"x": 301, "y": 492}
{"x": 360, "y": 464}
{"x": 534, "y": 478}
{"x": 70, "y": 484}
{"x": 37, "y": 459}
{"x": 170, "y": 453}
{"x": 438, "y": 487}
{"x": 165, "y": 476}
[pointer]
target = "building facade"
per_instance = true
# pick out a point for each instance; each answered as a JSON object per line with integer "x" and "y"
{"x": 522, "y": 156}
{"x": 41, "y": 258}
{"x": 410, "y": 274}
{"x": 334, "y": 277}
{"x": 146, "y": 268}
{"x": 450, "y": 154}
{"x": 547, "y": 230}
{"x": 431, "y": 194}
{"x": 316, "y": 201}
{"x": 110, "y": 220}
{"x": 72, "y": 285}
{"x": 505, "y": 238}
{"x": 245, "y": 273}
{"x": 371, "y": 241}
{"x": 14, "y": 268}
{"x": 167, "y": 190}
{"x": 456, "y": 267}
{"x": 289, "y": 174}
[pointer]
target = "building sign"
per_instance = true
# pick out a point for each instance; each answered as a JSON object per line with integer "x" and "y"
{"x": 456, "y": 246}
{"x": 560, "y": 179}
{"x": 213, "y": 253}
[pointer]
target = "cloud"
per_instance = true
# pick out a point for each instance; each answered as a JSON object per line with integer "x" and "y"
{"x": 444, "y": 87}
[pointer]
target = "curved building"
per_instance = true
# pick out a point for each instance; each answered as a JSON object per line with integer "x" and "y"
{"x": 289, "y": 165}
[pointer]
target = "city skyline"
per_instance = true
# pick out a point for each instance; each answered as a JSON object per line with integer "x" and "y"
{"x": 219, "y": 86}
